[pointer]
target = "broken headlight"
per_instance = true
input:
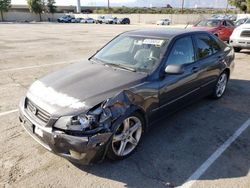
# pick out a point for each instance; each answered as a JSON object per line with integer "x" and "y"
{"x": 84, "y": 122}
{"x": 75, "y": 123}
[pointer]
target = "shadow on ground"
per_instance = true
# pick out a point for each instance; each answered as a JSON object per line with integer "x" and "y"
{"x": 175, "y": 147}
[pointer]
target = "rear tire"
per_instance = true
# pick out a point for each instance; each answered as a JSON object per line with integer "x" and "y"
{"x": 127, "y": 137}
{"x": 221, "y": 86}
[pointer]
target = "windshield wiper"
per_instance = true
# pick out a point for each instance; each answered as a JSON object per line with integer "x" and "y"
{"x": 96, "y": 60}
{"x": 120, "y": 66}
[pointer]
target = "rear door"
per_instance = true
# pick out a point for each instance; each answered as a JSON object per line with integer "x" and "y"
{"x": 208, "y": 55}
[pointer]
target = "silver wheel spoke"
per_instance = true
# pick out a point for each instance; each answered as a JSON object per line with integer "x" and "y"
{"x": 126, "y": 125}
{"x": 117, "y": 138}
{"x": 134, "y": 128}
{"x": 122, "y": 147}
{"x": 133, "y": 141}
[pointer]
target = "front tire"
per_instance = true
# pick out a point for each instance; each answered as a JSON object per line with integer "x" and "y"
{"x": 221, "y": 86}
{"x": 126, "y": 137}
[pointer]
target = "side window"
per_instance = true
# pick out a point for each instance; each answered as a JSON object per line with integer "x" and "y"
{"x": 229, "y": 23}
{"x": 182, "y": 52}
{"x": 215, "y": 46}
{"x": 205, "y": 46}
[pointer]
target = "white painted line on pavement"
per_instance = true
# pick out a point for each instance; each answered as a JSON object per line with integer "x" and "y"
{"x": 37, "y": 66}
{"x": 8, "y": 112}
{"x": 202, "y": 169}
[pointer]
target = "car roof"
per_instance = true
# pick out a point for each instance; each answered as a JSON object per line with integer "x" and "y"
{"x": 161, "y": 33}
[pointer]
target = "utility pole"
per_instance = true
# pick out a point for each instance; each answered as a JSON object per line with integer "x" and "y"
{"x": 108, "y": 6}
{"x": 78, "y": 6}
{"x": 227, "y": 7}
{"x": 182, "y": 6}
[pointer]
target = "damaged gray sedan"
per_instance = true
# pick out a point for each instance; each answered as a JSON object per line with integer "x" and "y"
{"x": 101, "y": 107}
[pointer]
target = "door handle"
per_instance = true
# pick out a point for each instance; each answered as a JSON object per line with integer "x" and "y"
{"x": 195, "y": 69}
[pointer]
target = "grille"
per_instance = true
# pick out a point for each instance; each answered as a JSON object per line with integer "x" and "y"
{"x": 245, "y": 33}
{"x": 37, "y": 112}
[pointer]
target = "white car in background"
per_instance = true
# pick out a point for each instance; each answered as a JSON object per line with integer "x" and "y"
{"x": 240, "y": 38}
{"x": 165, "y": 21}
{"x": 88, "y": 20}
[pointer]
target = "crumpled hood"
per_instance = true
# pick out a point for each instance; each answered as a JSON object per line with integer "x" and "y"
{"x": 79, "y": 87}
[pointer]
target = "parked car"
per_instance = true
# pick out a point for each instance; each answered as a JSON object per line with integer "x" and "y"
{"x": 88, "y": 20}
{"x": 76, "y": 20}
{"x": 102, "y": 107}
{"x": 65, "y": 19}
{"x": 219, "y": 27}
{"x": 106, "y": 20}
{"x": 110, "y": 20}
{"x": 240, "y": 21}
{"x": 240, "y": 39}
{"x": 122, "y": 21}
{"x": 231, "y": 17}
{"x": 165, "y": 21}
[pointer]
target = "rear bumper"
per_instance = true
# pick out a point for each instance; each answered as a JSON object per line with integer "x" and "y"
{"x": 243, "y": 43}
{"x": 80, "y": 149}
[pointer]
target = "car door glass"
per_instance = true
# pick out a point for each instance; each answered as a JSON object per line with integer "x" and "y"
{"x": 204, "y": 46}
{"x": 214, "y": 45}
{"x": 182, "y": 52}
{"x": 229, "y": 24}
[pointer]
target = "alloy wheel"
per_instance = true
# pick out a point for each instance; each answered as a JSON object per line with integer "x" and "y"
{"x": 127, "y": 136}
{"x": 221, "y": 85}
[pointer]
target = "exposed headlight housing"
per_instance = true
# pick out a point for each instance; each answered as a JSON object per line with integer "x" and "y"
{"x": 84, "y": 122}
{"x": 73, "y": 123}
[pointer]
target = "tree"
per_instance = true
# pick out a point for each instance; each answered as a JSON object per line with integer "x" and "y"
{"x": 4, "y": 7}
{"x": 243, "y": 5}
{"x": 248, "y": 6}
{"x": 37, "y": 6}
{"x": 51, "y": 6}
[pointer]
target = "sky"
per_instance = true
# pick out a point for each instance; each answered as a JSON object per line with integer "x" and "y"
{"x": 141, "y": 3}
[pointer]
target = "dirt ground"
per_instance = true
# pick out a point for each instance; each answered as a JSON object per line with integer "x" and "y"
{"x": 171, "y": 151}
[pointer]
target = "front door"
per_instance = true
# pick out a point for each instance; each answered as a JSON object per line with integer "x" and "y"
{"x": 176, "y": 90}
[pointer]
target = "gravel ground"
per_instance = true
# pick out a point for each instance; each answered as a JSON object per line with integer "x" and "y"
{"x": 171, "y": 151}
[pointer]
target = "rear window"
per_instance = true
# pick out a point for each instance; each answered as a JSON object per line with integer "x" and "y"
{"x": 208, "y": 23}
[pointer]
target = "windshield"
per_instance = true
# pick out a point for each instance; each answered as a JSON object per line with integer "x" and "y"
{"x": 132, "y": 52}
{"x": 241, "y": 21}
{"x": 208, "y": 23}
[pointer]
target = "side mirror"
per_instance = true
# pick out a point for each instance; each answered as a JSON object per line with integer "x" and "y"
{"x": 174, "y": 69}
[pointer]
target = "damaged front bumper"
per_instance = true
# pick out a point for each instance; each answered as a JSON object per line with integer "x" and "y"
{"x": 80, "y": 149}
{"x": 91, "y": 144}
